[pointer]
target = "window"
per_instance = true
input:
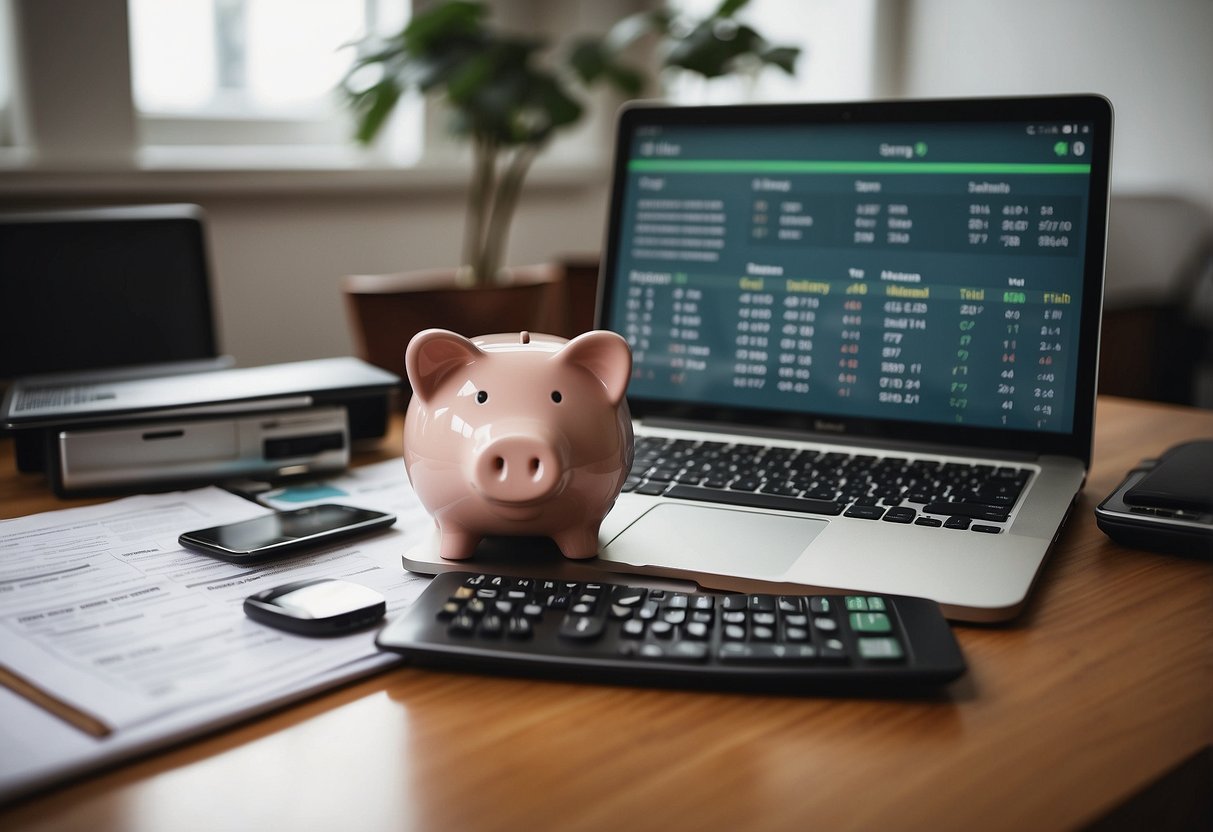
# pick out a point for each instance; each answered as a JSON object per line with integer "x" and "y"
{"x": 255, "y": 72}
{"x": 838, "y": 42}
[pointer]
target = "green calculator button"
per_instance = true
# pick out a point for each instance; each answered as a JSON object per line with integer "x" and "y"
{"x": 880, "y": 649}
{"x": 870, "y": 622}
{"x": 856, "y": 602}
{"x": 876, "y": 603}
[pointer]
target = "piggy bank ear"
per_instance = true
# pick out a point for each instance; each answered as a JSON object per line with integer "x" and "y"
{"x": 606, "y": 355}
{"x": 432, "y": 355}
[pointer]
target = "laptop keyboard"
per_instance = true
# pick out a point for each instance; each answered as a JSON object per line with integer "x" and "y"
{"x": 891, "y": 489}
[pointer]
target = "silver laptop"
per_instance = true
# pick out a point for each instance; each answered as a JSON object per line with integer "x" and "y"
{"x": 865, "y": 341}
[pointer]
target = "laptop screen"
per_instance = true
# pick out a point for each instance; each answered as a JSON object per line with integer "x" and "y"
{"x": 931, "y": 263}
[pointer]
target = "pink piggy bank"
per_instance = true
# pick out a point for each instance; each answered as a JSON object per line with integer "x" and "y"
{"x": 518, "y": 434}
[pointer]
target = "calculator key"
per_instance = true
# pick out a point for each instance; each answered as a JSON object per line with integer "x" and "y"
{"x": 856, "y": 602}
{"x": 790, "y": 603}
{"x": 620, "y": 612}
{"x": 734, "y": 632}
{"x": 826, "y": 625}
{"x": 491, "y": 625}
{"x": 819, "y": 605}
{"x": 679, "y": 651}
{"x": 880, "y": 649}
{"x": 675, "y": 616}
{"x": 735, "y": 602}
{"x": 766, "y": 653}
{"x": 696, "y": 630}
{"x": 796, "y": 634}
{"x": 870, "y": 622}
{"x": 519, "y": 628}
{"x": 633, "y": 628}
{"x": 661, "y": 629}
{"x": 532, "y": 611}
{"x": 628, "y": 597}
{"x": 876, "y": 603}
{"x": 733, "y": 617}
{"x": 462, "y": 625}
{"x": 833, "y": 651}
{"x": 581, "y": 627}
{"x": 448, "y": 611}
{"x": 463, "y": 593}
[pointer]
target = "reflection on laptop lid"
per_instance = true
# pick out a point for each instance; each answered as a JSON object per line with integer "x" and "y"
{"x": 915, "y": 283}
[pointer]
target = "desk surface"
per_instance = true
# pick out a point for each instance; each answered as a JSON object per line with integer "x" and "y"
{"x": 1097, "y": 691}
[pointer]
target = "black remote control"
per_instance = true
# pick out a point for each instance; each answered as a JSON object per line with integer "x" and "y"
{"x": 620, "y": 633}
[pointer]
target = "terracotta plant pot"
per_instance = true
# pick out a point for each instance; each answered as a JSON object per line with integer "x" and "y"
{"x": 387, "y": 310}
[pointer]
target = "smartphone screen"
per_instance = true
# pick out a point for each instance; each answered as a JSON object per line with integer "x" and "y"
{"x": 285, "y": 531}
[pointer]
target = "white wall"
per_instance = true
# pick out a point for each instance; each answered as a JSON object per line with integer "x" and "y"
{"x": 278, "y": 260}
{"x": 1152, "y": 58}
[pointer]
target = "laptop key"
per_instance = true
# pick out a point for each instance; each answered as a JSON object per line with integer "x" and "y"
{"x": 754, "y": 499}
{"x": 973, "y": 511}
{"x": 864, "y": 512}
{"x": 900, "y": 514}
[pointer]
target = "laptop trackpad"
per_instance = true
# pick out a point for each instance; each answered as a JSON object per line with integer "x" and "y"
{"x": 717, "y": 540}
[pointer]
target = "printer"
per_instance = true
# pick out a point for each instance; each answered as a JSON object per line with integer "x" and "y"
{"x": 104, "y": 431}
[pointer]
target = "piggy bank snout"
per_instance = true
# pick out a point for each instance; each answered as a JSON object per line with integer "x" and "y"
{"x": 517, "y": 468}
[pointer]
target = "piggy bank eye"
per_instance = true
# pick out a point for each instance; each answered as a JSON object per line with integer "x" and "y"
{"x": 556, "y": 397}
{"x": 482, "y": 396}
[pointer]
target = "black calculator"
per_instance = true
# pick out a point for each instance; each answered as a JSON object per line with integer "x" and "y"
{"x": 620, "y": 633}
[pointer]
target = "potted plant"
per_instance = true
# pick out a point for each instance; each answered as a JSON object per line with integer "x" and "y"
{"x": 509, "y": 94}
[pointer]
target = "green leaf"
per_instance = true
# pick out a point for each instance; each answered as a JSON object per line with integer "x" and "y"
{"x": 625, "y": 79}
{"x": 445, "y": 22}
{"x": 373, "y": 108}
{"x": 728, "y": 8}
{"x": 588, "y": 59}
{"x": 784, "y": 57}
{"x": 470, "y": 76}
{"x": 710, "y": 49}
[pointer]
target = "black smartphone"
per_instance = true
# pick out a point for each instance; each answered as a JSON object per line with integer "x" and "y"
{"x": 1164, "y": 504}
{"x": 284, "y": 532}
{"x": 317, "y": 607}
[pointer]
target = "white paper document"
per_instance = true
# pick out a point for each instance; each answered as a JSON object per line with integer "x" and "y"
{"x": 101, "y": 609}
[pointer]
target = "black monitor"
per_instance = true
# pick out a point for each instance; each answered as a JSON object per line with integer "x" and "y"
{"x": 103, "y": 287}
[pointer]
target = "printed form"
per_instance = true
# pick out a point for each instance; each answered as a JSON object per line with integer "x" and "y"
{"x": 102, "y": 610}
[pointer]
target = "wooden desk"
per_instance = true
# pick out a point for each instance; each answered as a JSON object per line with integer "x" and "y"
{"x": 1101, "y": 688}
